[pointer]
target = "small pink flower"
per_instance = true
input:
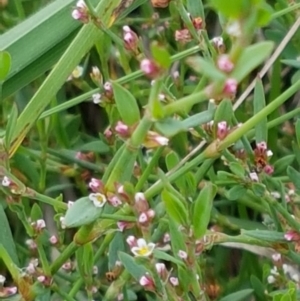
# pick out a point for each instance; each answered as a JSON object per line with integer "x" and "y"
{"x": 292, "y": 235}
{"x": 122, "y": 129}
{"x": 268, "y": 169}
{"x": 122, "y": 225}
{"x": 224, "y": 63}
{"x": 141, "y": 204}
{"x": 80, "y": 12}
{"x": 31, "y": 244}
{"x": 95, "y": 185}
{"x": 143, "y": 218}
{"x": 161, "y": 269}
{"x": 108, "y": 90}
{"x": 174, "y": 281}
{"x": 147, "y": 282}
{"x": 276, "y": 257}
{"x": 222, "y": 130}
{"x": 11, "y": 290}
{"x": 115, "y": 201}
{"x": 183, "y": 36}
{"x": 53, "y": 240}
{"x": 230, "y": 86}
{"x": 41, "y": 278}
{"x": 182, "y": 254}
{"x": 261, "y": 146}
{"x": 67, "y": 266}
{"x": 149, "y": 68}
{"x": 131, "y": 241}
{"x": 253, "y": 176}
{"x": 167, "y": 238}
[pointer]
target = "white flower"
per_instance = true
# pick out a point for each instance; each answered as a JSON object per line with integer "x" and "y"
{"x": 41, "y": 278}
{"x": 295, "y": 277}
{"x": 234, "y": 29}
{"x": 77, "y": 72}
{"x": 274, "y": 271}
{"x": 98, "y": 199}
{"x": 161, "y": 140}
{"x": 6, "y": 181}
{"x": 253, "y": 176}
{"x": 70, "y": 204}
{"x": 96, "y": 98}
{"x": 160, "y": 268}
{"x": 271, "y": 279}
{"x": 276, "y": 256}
{"x": 62, "y": 222}
{"x": 269, "y": 153}
{"x": 2, "y": 279}
{"x": 143, "y": 249}
{"x": 81, "y": 4}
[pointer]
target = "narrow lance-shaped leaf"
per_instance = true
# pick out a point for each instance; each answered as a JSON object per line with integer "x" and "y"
{"x": 259, "y": 102}
{"x": 297, "y": 127}
{"x": 202, "y": 209}
{"x": 126, "y": 104}
{"x": 80, "y": 45}
{"x": 251, "y": 58}
{"x": 5, "y": 63}
{"x": 175, "y": 208}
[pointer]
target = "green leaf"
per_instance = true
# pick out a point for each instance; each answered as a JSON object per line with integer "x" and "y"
{"x": 177, "y": 237}
{"x": 230, "y": 8}
{"x": 281, "y": 165}
{"x": 297, "y": 127}
{"x": 202, "y": 209}
{"x": 115, "y": 246}
{"x": 126, "y": 104}
{"x": 170, "y": 127}
{"x": 294, "y": 176}
{"x": 237, "y": 169}
{"x": 5, "y": 63}
{"x": 166, "y": 257}
{"x": 136, "y": 270}
{"x": 36, "y": 212}
{"x": 265, "y": 235}
{"x": 235, "y": 192}
{"x": 195, "y": 7}
{"x": 208, "y": 69}
{"x": 6, "y": 238}
{"x": 175, "y": 208}
{"x": 160, "y": 55}
{"x": 98, "y": 147}
{"x": 259, "y": 288}
{"x": 258, "y": 189}
{"x": 259, "y": 102}
{"x": 223, "y": 112}
{"x": 287, "y": 297}
{"x": 251, "y": 58}
{"x": 12, "y": 120}
{"x": 57, "y": 77}
{"x": 82, "y": 212}
{"x": 292, "y": 63}
{"x": 238, "y": 296}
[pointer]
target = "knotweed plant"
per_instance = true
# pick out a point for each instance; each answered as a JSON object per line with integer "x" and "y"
{"x": 150, "y": 150}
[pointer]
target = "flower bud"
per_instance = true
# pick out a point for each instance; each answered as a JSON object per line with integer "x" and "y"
{"x": 96, "y": 98}
{"x": 222, "y": 130}
{"x": 224, "y": 63}
{"x": 96, "y": 185}
{"x": 174, "y": 281}
{"x": 141, "y": 204}
{"x": 122, "y": 129}
{"x": 183, "y": 36}
{"x": 80, "y": 12}
{"x": 218, "y": 44}
{"x": 150, "y": 68}
{"x": 130, "y": 38}
{"x": 147, "y": 282}
{"x": 96, "y": 76}
{"x": 230, "y": 86}
{"x": 160, "y": 3}
{"x": 53, "y": 240}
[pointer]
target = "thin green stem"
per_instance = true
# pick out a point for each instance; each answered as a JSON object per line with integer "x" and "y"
{"x": 184, "y": 104}
{"x": 249, "y": 124}
{"x": 158, "y": 186}
{"x": 64, "y": 256}
{"x": 45, "y": 199}
{"x": 142, "y": 180}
